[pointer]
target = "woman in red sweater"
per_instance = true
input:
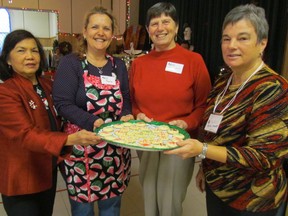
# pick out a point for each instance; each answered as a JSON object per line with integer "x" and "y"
{"x": 170, "y": 84}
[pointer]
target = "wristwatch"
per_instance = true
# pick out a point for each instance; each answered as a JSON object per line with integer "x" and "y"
{"x": 202, "y": 155}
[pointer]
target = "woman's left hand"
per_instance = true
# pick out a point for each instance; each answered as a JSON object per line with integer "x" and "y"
{"x": 98, "y": 123}
{"x": 179, "y": 123}
{"x": 187, "y": 148}
{"x": 200, "y": 179}
{"x": 127, "y": 118}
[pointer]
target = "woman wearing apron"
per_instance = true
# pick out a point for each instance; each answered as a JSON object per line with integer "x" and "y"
{"x": 91, "y": 88}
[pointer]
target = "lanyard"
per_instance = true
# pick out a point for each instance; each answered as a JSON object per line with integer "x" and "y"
{"x": 221, "y": 95}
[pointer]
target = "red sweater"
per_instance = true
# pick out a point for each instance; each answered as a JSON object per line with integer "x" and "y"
{"x": 166, "y": 96}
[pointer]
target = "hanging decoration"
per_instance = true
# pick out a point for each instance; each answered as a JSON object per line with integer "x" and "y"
{"x": 75, "y": 35}
{"x": 64, "y": 34}
{"x": 128, "y": 13}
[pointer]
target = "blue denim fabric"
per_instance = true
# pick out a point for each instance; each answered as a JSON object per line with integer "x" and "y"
{"x": 108, "y": 207}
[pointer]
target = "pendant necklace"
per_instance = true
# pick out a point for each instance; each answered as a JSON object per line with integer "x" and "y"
{"x": 100, "y": 69}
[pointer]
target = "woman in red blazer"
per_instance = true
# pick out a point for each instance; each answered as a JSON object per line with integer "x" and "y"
{"x": 29, "y": 129}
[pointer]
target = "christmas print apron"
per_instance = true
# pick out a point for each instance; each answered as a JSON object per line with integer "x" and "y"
{"x": 98, "y": 172}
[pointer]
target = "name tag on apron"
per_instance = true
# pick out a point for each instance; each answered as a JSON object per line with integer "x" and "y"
{"x": 108, "y": 80}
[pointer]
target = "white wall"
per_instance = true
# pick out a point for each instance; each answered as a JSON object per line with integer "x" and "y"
{"x": 16, "y": 17}
{"x": 53, "y": 21}
{"x": 71, "y": 12}
{"x": 42, "y": 24}
{"x": 37, "y": 22}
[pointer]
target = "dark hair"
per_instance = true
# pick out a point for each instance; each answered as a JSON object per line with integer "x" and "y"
{"x": 185, "y": 42}
{"x": 186, "y": 25}
{"x": 65, "y": 48}
{"x": 162, "y": 8}
{"x": 96, "y": 10}
{"x": 10, "y": 42}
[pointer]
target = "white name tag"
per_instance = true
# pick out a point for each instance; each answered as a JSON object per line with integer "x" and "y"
{"x": 174, "y": 67}
{"x": 213, "y": 123}
{"x": 108, "y": 80}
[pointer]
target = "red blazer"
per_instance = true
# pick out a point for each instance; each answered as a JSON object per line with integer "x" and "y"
{"x": 27, "y": 143}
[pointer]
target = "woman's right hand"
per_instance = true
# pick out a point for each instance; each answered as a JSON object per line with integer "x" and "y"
{"x": 83, "y": 137}
{"x": 142, "y": 116}
{"x": 200, "y": 180}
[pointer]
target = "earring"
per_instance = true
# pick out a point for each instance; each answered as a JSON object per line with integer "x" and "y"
{"x": 261, "y": 54}
{"x": 9, "y": 66}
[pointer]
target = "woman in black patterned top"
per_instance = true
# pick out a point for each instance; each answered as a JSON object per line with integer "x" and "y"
{"x": 245, "y": 127}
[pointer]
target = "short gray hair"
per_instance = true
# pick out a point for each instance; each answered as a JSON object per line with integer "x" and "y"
{"x": 252, "y": 13}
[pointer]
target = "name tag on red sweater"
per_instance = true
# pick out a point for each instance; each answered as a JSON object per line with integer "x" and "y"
{"x": 174, "y": 67}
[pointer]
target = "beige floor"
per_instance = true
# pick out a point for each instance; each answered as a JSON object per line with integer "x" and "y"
{"x": 132, "y": 202}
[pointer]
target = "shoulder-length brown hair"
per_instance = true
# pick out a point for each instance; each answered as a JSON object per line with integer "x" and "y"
{"x": 83, "y": 42}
